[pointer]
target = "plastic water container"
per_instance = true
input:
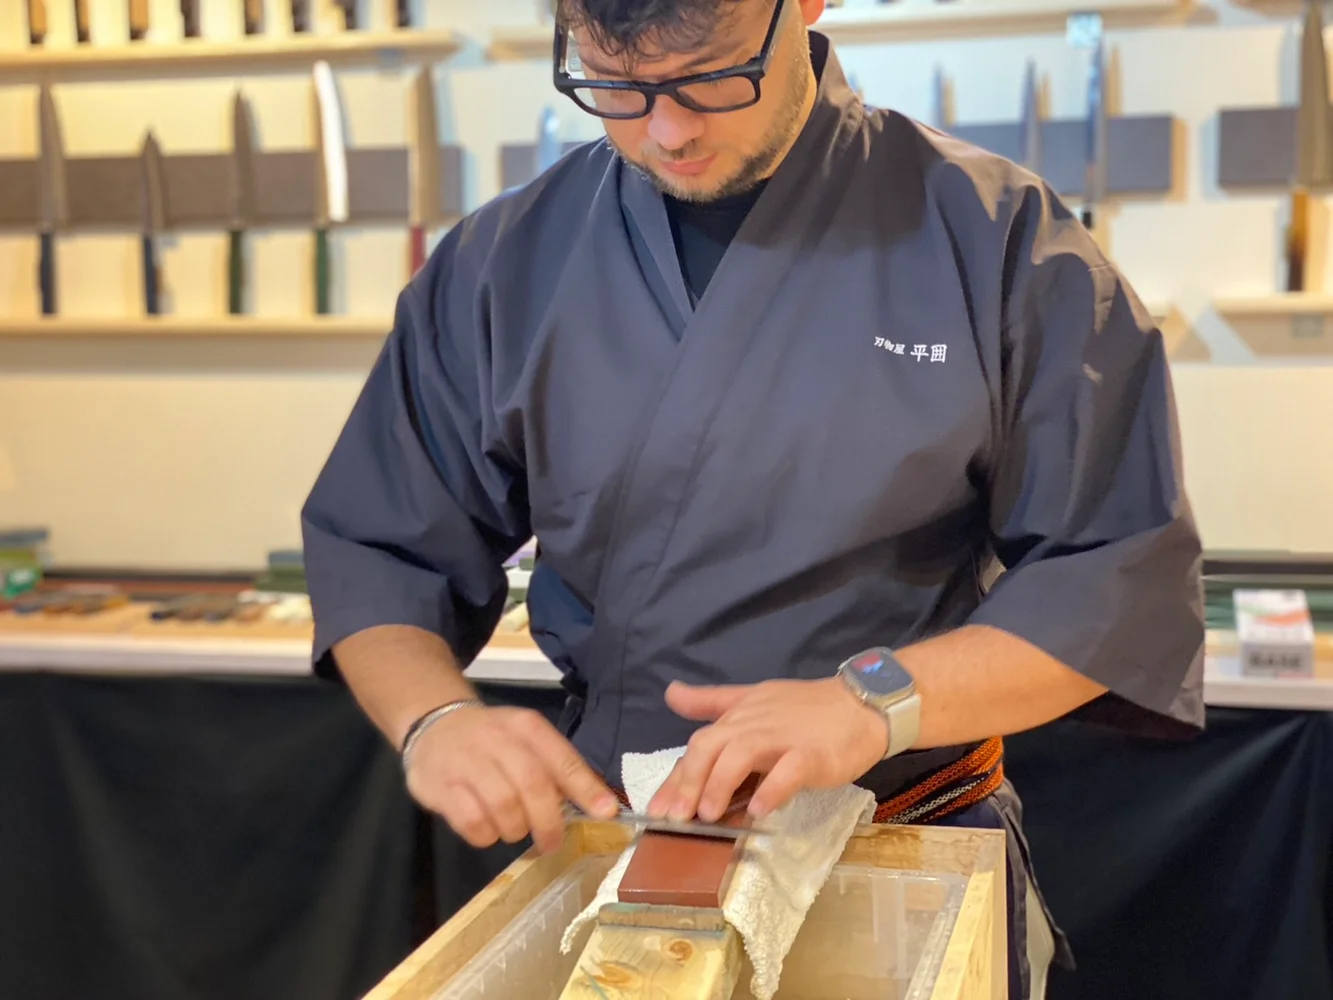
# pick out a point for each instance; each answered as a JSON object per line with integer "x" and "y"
{"x": 524, "y": 959}
{"x": 871, "y": 934}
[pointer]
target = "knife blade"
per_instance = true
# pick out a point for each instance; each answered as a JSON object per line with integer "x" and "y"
{"x": 53, "y": 201}
{"x": 1031, "y": 135}
{"x": 300, "y": 16}
{"x": 426, "y": 167}
{"x": 693, "y": 828}
{"x": 1094, "y": 177}
{"x": 81, "y": 20}
{"x": 190, "y": 18}
{"x": 154, "y": 219}
{"x": 939, "y": 100}
{"x": 36, "y": 21}
{"x": 138, "y": 19}
{"x": 548, "y": 139}
{"x": 1314, "y": 142}
{"x": 243, "y": 201}
{"x": 330, "y": 179}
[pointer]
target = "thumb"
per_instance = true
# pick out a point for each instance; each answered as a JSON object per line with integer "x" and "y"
{"x": 703, "y": 703}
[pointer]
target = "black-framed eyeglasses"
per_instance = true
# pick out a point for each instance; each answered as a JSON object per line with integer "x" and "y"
{"x": 709, "y": 93}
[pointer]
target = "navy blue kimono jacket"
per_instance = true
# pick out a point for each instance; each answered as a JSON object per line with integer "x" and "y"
{"x": 912, "y": 368}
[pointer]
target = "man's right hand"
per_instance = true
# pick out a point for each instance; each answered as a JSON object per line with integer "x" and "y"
{"x": 502, "y": 774}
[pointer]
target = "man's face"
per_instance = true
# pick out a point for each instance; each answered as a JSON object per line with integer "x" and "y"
{"x": 699, "y": 156}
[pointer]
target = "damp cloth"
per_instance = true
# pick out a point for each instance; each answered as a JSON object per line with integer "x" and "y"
{"x": 776, "y": 878}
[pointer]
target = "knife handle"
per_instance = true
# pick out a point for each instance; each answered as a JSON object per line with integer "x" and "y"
{"x": 254, "y": 16}
{"x": 150, "y": 276}
{"x": 138, "y": 19}
{"x": 236, "y": 273}
{"x": 46, "y": 274}
{"x": 300, "y": 15}
{"x": 322, "y": 272}
{"x": 1296, "y": 241}
{"x": 418, "y": 238}
{"x": 36, "y": 21}
{"x": 404, "y": 13}
{"x": 190, "y": 18}
{"x": 81, "y": 20}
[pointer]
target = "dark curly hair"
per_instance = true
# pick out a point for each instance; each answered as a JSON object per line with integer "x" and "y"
{"x": 622, "y": 28}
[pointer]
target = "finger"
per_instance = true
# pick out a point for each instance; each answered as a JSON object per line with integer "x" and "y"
{"x": 466, "y": 816}
{"x": 788, "y": 776}
{"x": 501, "y": 799}
{"x": 679, "y": 796}
{"x": 539, "y": 795}
{"x": 575, "y": 779}
{"x": 733, "y": 766}
{"x": 704, "y": 703}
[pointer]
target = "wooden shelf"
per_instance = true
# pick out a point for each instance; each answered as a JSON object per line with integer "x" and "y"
{"x": 198, "y": 326}
{"x": 917, "y": 19}
{"x": 202, "y": 55}
{"x": 1293, "y": 325}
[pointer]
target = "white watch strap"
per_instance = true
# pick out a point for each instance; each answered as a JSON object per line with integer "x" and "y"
{"x": 904, "y": 718}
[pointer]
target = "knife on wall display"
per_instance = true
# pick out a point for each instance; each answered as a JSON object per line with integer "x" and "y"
{"x": 1085, "y": 31}
{"x": 548, "y": 139}
{"x": 253, "y": 13}
{"x": 138, "y": 19}
{"x": 939, "y": 100}
{"x": 426, "y": 168}
{"x": 330, "y": 177}
{"x": 300, "y": 15}
{"x": 243, "y": 202}
{"x": 36, "y": 21}
{"x": 1031, "y": 121}
{"x": 190, "y": 18}
{"x": 81, "y": 29}
{"x": 349, "y": 13}
{"x": 404, "y": 13}
{"x": 53, "y": 202}
{"x": 154, "y": 221}
{"x": 1314, "y": 144}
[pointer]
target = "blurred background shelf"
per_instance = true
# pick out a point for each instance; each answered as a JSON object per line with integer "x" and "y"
{"x": 1289, "y": 326}
{"x": 203, "y": 55}
{"x": 198, "y": 326}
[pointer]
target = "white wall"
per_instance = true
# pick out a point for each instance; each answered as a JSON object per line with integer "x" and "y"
{"x": 200, "y": 454}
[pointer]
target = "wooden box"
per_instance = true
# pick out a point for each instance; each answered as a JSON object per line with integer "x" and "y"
{"x": 970, "y": 940}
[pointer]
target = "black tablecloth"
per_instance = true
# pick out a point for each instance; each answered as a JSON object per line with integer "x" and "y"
{"x": 189, "y": 839}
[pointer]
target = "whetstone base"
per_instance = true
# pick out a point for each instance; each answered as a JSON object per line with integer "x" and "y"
{"x": 639, "y": 952}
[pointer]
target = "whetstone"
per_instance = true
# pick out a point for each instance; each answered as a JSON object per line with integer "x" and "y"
{"x": 675, "y": 869}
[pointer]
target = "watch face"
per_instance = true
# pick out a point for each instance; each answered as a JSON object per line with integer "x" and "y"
{"x": 879, "y": 672}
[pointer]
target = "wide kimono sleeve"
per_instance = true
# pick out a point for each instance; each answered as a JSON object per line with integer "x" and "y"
{"x": 418, "y": 504}
{"x": 1088, "y": 513}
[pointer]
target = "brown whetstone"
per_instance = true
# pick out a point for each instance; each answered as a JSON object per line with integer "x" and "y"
{"x": 675, "y": 869}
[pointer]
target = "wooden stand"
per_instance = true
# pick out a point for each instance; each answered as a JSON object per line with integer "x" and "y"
{"x": 638, "y": 952}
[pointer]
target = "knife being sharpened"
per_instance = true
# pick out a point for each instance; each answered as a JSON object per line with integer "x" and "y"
{"x": 660, "y": 824}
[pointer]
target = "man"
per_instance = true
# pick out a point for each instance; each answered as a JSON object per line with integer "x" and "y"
{"x": 777, "y": 381}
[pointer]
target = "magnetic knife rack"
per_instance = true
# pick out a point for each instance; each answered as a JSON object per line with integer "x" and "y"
{"x": 105, "y": 191}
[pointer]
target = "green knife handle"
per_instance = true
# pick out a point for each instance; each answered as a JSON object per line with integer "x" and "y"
{"x": 235, "y": 274}
{"x": 322, "y": 271}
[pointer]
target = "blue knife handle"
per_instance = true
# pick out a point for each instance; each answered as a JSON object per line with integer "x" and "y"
{"x": 46, "y": 274}
{"x": 149, "y": 278}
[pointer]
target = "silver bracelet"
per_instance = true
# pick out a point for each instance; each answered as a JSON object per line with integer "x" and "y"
{"x": 429, "y": 719}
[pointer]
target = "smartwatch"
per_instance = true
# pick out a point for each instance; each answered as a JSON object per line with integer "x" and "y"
{"x": 880, "y": 682}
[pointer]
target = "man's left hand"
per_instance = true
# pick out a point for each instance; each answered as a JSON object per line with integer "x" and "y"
{"x": 798, "y": 734}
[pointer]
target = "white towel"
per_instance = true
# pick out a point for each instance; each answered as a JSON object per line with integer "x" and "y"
{"x": 776, "y": 878}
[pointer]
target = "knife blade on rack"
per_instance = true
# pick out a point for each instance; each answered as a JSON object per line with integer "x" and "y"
{"x": 1314, "y": 143}
{"x": 1085, "y": 31}
{"x": 300, "y": 16}
{"x": 243, "y": 201}
{"x": 36, "y": 21}
{"x": 548, "y": 139}
{"x": 426, "y": 168}
{"x": 939, "y": 100}
{"x": 404, "y": 13}
{"x": 154, "y": 220}
{"x": 53, "y": 202}
{"x": 1031, "y": 128}
{"x": 349, "y": 13}
{"x": 330, "y": 177}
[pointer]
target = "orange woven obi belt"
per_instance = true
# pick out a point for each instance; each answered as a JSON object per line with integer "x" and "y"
{"x": 952, "y": 788}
